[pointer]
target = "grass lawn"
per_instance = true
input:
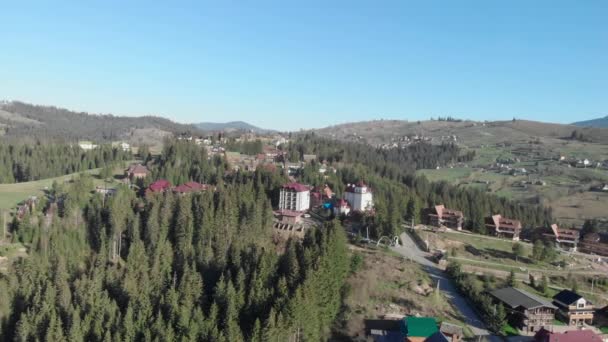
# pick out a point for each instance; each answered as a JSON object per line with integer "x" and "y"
{"x": 508, "y": 330}
{"x": 13, "y": 194}
{"x": 449, "y": 175}
{"x": 483, "y": 242}
{"x": 10, "y": 250}
{"x": 604, "y": 329}
{"x": 558, "y": 322}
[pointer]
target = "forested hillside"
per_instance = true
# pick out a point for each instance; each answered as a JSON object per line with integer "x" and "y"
{"x": 399, "y": 195}
{"x": 205, "y": 266}
{"x": 23, "y": 162}
{"x": 168, "y": 267}
{"x": 24, "y": 120}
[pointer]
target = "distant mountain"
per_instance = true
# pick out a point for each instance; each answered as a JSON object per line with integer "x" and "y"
{"x": 23, "y": 121}
{"x": 601, "y": 122}
{"x": 229, "y": 127}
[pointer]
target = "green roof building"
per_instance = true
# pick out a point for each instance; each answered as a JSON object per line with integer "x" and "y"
{"x": 417, "y": 329}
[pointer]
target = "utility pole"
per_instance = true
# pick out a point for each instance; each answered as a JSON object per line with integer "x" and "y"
{"x": 4, "y": 225}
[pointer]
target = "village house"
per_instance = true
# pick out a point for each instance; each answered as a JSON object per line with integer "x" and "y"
{"x": 341, "y": 207}
{"x": 86, "y": 145}
{"x": 440, "y": 216}
{"x": 452, "y": 332}
{"x": 419, "y": 329}
{"x": 573, "y": 308}
{"x": 105, "y": 190}
{"x": 545, "y": 335}
{"x": 158, "y": 186}
{"x": 295, "y": 197}
{"x": 525, "y": 311}
{"x": 190, "y": 187}
{"x": 411, "y": 329}
{"x": 384, "y": 330}
{"x": 504, "y": 227}
{"x": 565, "y": 237}
{"x": 136, "y": 171}
{"x": 359, "y": 196}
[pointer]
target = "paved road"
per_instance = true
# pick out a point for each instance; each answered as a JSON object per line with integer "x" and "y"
{"x": 410, "y": 250}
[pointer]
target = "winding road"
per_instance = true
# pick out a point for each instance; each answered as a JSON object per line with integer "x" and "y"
{"x": 410, "y": 250}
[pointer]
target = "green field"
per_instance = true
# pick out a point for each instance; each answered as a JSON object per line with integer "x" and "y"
{"x": 13, "y": 194}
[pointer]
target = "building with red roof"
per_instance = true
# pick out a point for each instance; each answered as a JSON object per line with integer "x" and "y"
{"x": 341, "y": 207}
{"x": 136, "y": 171}
{"x": 359, "y": 196}
{"x": 440, "y": 216}
{"x": 160, "y": 185}
{"x": 565, "y": 237}
{"x": 190, "y": 187}
{"x": 504, "y": 227}
{"x": 545, "y": 335}
{"x": 295, "y": 197}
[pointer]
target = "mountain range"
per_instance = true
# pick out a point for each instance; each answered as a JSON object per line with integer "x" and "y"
{"x": 600, "y": 122}
{"x": 229, "y": 127}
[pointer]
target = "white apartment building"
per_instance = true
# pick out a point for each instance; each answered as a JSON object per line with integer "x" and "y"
{"x": 359, "y": 196}
{"x": 295, "y": 197}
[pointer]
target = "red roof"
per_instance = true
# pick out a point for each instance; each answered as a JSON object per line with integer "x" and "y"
{"x": 503, "y": 222}
{"x": 160, "y": 185}
{"x": 544, "y": 335}
{"x": 297, "y": 187}
{"x": 190, "y": 187}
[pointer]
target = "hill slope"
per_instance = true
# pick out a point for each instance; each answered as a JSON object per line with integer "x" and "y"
{"x": 600, "y": 122}
{"x": 20, "y": 120}
{"x": 468, "y": 133}
{"x": 229, "y": 126}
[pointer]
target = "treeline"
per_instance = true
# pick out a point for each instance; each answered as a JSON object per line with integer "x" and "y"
{"x": 390, "y": 163}
{"x": 249, "y": 147}
{"x": 25, "y": 162}
{"x": 197, "y": 267}
{"x": 182, "y": 161}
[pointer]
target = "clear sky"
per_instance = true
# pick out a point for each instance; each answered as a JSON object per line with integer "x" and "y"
{"x": 292, "y": 64}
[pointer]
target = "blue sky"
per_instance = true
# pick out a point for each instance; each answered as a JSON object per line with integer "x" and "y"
{"x": 289, "y": 65}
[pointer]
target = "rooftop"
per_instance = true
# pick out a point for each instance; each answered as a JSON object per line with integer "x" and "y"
{"x": 567, "y": 297}
{"x": 544, "y": 335}
{"x": 419, "y": 326}
{"x": 137, "y": 168}
{"x": 515, "y": 298}
{"x": 190, "y": 187}
{"x": 160, "y": 185}
{"x": 297, "y": 187}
